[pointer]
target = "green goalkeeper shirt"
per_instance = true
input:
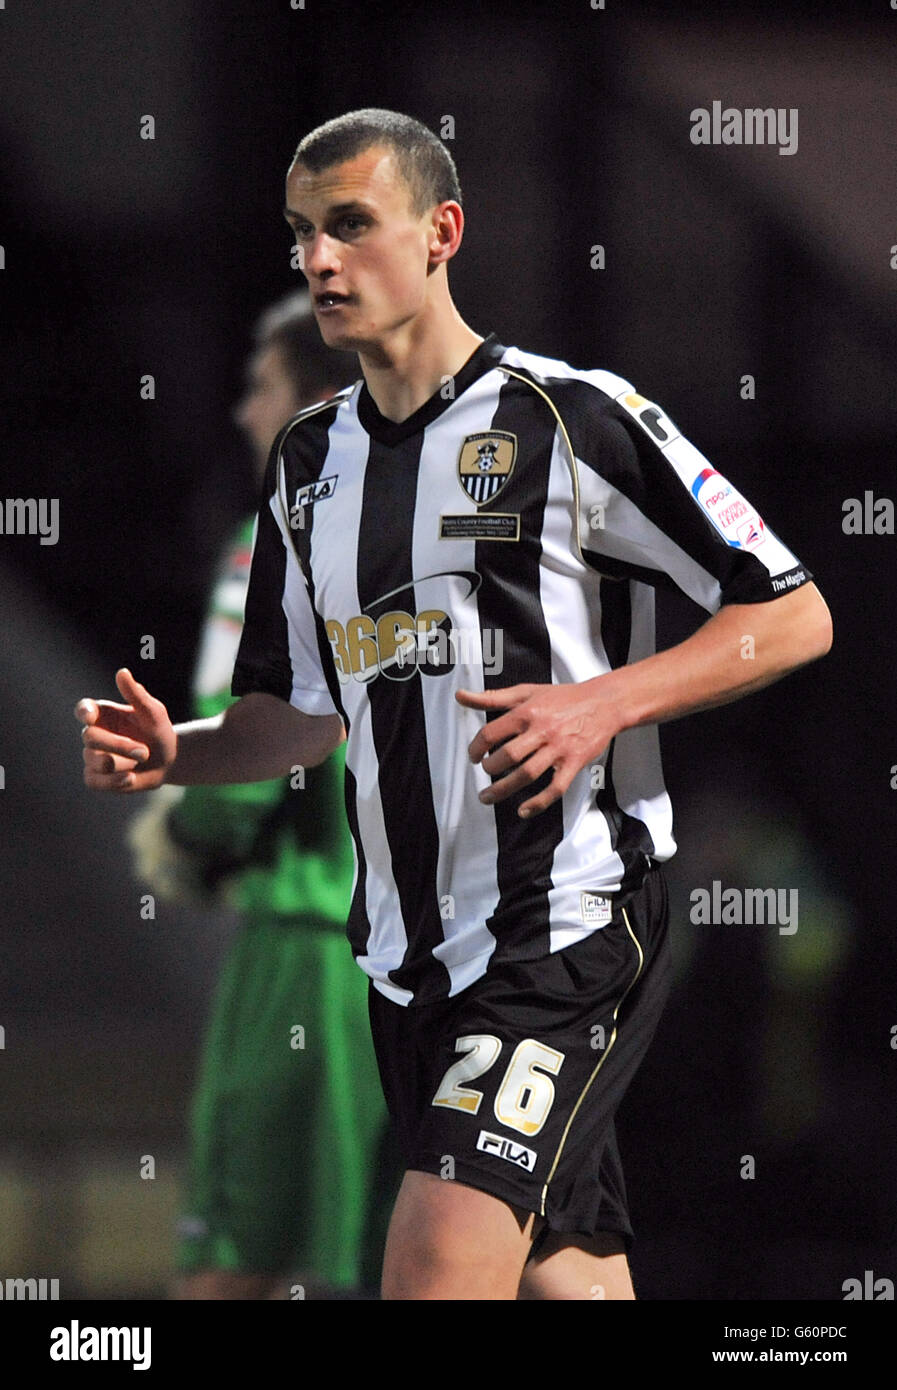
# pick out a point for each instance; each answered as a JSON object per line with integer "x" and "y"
{"x": 285, "y": 842}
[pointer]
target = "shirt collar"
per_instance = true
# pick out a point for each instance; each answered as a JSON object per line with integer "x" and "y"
{"x": 481, "y": 360}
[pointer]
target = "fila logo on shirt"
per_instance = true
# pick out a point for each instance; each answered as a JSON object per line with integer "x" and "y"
{"x": 596, "y": 908}
{"x": 306, "y": 496}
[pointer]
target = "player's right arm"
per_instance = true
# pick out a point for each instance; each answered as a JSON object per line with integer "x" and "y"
{"x": 135, "y": 747}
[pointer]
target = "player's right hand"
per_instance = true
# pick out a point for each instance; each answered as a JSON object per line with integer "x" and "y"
{"x": 127, "y": 748}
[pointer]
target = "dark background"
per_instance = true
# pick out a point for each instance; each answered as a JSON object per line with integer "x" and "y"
{"x": 126, "y": 256}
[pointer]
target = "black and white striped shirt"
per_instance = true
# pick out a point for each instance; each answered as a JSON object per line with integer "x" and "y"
{"x": 513, "y": 529}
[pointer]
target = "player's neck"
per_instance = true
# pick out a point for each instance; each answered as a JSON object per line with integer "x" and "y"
{"x": 417, "y": 362}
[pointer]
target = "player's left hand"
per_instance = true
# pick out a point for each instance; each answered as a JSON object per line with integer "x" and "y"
{"x": 564, "y": 727}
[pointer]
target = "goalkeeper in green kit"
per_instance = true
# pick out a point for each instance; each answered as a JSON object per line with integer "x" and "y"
{"x": 290, "y": 1171}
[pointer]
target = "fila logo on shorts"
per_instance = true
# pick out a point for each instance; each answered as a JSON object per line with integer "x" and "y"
{"x": 507, "y": 1148}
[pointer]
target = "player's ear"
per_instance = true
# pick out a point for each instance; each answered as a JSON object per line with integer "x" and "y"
{"x": 446, "y": 231}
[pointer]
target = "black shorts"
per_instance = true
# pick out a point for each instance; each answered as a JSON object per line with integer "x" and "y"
{"x": 512, "y": 1085}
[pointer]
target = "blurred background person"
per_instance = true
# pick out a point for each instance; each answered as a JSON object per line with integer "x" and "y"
{"x": 286, "y": 1174}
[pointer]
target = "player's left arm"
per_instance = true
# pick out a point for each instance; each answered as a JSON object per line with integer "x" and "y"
{"x": 742, "y": 648}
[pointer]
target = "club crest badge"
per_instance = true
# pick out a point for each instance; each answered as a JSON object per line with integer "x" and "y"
{"x": 485, "y": 464}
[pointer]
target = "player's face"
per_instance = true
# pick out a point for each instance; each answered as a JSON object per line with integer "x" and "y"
{"x": 268, "y": 402}
{"x": 366, "y": 254}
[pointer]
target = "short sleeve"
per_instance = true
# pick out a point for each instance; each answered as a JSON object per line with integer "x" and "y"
{"x": 279, "y": 651}
{"x": 651, "y": 507}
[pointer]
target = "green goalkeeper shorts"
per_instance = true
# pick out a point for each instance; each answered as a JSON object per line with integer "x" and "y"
{"x": 291, "y": 1170}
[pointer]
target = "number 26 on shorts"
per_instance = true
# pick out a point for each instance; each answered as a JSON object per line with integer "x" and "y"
{"x": 525, "y": 1095}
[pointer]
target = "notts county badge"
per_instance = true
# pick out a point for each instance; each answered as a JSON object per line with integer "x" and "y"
{"x": 485, "y": 464}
